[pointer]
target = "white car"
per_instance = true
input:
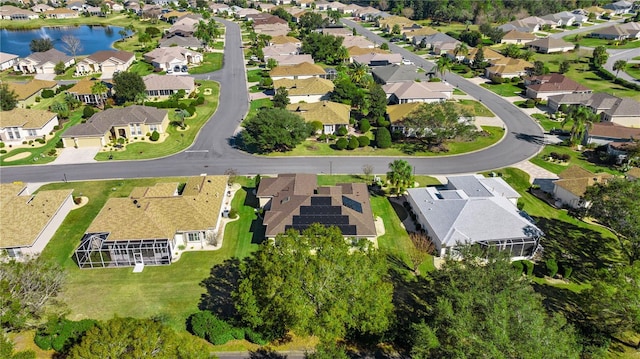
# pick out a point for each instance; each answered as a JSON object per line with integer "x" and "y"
{"x": 407, "y": 62}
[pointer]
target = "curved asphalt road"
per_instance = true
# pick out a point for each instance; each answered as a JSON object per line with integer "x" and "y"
{"x": 212, "y": 154}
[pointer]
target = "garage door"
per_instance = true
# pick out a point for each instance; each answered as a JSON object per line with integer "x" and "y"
{"x": 89, "y": 142}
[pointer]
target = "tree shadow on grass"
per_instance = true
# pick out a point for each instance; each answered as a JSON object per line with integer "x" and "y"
{"x": 582, "y": 249}
{"x": 222, "y": 281}
{"x": 257, "y": 229}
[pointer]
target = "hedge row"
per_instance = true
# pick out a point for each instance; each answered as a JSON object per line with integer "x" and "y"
{"x": 602, "y": 72}
{"x": 208, "y": 326}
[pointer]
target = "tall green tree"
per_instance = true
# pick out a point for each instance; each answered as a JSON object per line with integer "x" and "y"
{"x": 461, "y": 49}
{"x": 400, "y": 175}
{"x": 435, "y": 123}
{"x": 127, "y": 85}
{"x": 581, "y": 119}
{"x": 323, "y": 48}
{"x": 315, "y": 283}
{"x": 565, "y": 66}
{"x": 8, "y": 98}
{"x": 511, "y": 50}
{"x": 599, "y": 56}
{"x": 99, "y": 89}
{"x": 275, "y": 130}
{"x": 129, "y": 338}
{"x": 478, "y": 59}
{"x": 486, "y": 309}
{"x": 615, "y": 205}
{"x": 619, "y": 65}
{"x": 310, "y": 21}
{"x": 281, "y": 98}
{"x": 443, "y": 65}
{"x": 377, "y": 104}
{"x": 41, "y": 45}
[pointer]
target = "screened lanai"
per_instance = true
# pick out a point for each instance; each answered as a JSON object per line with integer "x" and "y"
{"x": 95, "y": 251}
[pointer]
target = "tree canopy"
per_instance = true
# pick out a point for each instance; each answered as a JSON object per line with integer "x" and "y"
{"x": 41, "y": 45}
{"x": 435, "y": 123}
{"x": 127, "y": 85}
{"x": 315, "y": 283}
{"x": 274, "y": 130}
{"x": 400, "y": 175}
{"x": 615, "y": 205}
{"x": 324, "y": 48}
{"x": 8, "y": 98}
{"x": 129, "y": 338}
{"x": 281, "y": 98}
{"x": 485, "y": 308}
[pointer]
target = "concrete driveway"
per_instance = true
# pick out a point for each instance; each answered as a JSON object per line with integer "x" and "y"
{"x": 73, "y": 155}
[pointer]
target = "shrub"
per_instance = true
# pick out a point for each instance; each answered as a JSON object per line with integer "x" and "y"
{"x": 435, "y": 79}
{"x": 552, "y": 267}
{"x": 40, "y": 141}
{"x": 154, "y": 136}
{"x": 199, "y": 100}
{"x": 342, "y": 131}
{"x": 565, "y": 157}
{"x": 363, "y": 141}
{"x": 528, "y": 267}
{"x": 322, "y": 137}
{"x": 518, "y": 266}
{"x": 383, "y": 138}
{"x": 497, "y": 80}
{"x": 59, "y": 144}
{"x": 52, "y": 152}
{"x": 77, "y": 200}
{"x": 121, "y": 141}
{"x": 332, "y": 137}
{"x": 2, "y": 144}
{"x": 353, "y": 143}
{"x": 60, "y": 333}
{"x": 47, "y": 93}
{"x": 237, "y": 333}
{"x": 342, "y": 143}
{"x": 3, "y": 152}
{"x": 365, "y": 126}
{"x": 530, "y": 103}
{"x": 87, "y": 112}
{"x": 316, "y": 126}
{"x": 520, "y": 205}
{"x": 38, "y": 98}
{"x": 233, "y": 213}
{"x": 254, "y": 337}
{"x": 207, "y": 326}
{"x": 515, "y": 79}
{"x": 567, "y": 272}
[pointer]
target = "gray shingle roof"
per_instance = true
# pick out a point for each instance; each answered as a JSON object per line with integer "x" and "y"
{"x": 397, "y": 73}
{"x": 102, "y": 122}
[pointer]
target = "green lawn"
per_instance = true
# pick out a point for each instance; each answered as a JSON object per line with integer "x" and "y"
{"x": 610, "y": 44}
{"x": 312, "y": 147}
{"x": 577, "y": 158}
{"x": 141, "y": 68}
{"x": 506, "y": 89}
{"x": 178, "y": 140}
{"x": 256, "y": 75}
{"x": 548, "y": 124}
{"x": 219, "y": 45}
{"x": 256, "y": 105}
{"x": 11, "y": 76}
{"x": 633, "y": 70}
{"x": 476, "y": 108}
{"x": 212, "y": 62}
{"x": 457, "y": 91}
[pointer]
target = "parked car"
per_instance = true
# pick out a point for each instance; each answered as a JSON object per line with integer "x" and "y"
{"x": 176, "y": 68}
{"x": 185, "y": 68}
{"x": 169, "y": 71}
{"x": 407, "y": 62}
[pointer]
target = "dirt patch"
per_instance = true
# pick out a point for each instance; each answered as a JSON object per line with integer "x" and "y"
{"x": 19, "y": 156}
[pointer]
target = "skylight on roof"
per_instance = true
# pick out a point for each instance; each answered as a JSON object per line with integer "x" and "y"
{"x": 353, "y": 204}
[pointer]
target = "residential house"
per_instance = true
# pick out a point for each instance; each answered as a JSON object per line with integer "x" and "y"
{"x": 163, "y": 86}
{"x": 309, "y": 90}
{"x": 632, "y": 28}
{"x": 10, "y": 12}
{"x": 596, "y": 10}
{"x": 40, "y": 8}
{"x": 597, "y": 102}
{"x": 107, "y": 62}
{"x": 296, "y": 13}
{"x": 397, "y": 73}
{"x": 332, "y": 115}
{"x": 624, "y": 112}
{"x": 566, "y": 18}
{"x": 61, "y": 13}
{"x": 184, "y": 27}
{"x": 572, "y": 185}
{"x": 359, "y": 51}
{"x": 27, "y": 92}
{"x": 266, "y": 7}
{"x": 287, "y": 60}
{"x": 520, "y": 26}
{"x": 619, "y": 7}
{"x": 387, "y": 24}
{"x": 337, "y": 31}
{"x": 423, "y": 31}
{"x": 114, "y": 6}
{"x": 300, "y": 71}
{"x": 281, "y": 40}
{"x": 549, "y": 45}
{"x": 167, "y": 58}
{"x": 243, "y": 13}
{"x": 613, "y": 32}
{"x": 612, "y": 135}
{"x": 410, "y": 91}
{"x": 437, "y": 43}
{"x": 490, "y": 56}
{"x": 366, "y": 13}
{"x": 189, "y": 42}
{"x": 43, "y": 62}
{"x": 336, "y": 6}
{"x": 282, "y": 2}
{"x": 294, "y": 201}
{"x": 172, "y": 16}
{"x": 304, "y": 3}
{"x": 29, "y": 221}
{"x": 321, "y": 5}
{"x": 83, "y": 91}
{"x": 273, "y": 29}
{"x": 280, "y": 50}
{"x": 7, "y": 60}
{"x": 357, "y": 41}
{"x": 473, "y": 210}
{"x": 517, "y": 37}
{"x": 114, "y": 123}
{"x": 217, "y": 8}
{"x": 543, "y": 86}
{"x": 508, "y": 68}
{"x": 78, "y": 6}
{"x": 20, "y": 124}
{"x": 350, "y": 9}
{"x": 151, "y": 224}
{"x": 373, "y": 59}
{"x": 396, "y": 114}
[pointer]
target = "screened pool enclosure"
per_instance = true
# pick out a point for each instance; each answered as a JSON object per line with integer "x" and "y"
{"x": 95, "y": 251}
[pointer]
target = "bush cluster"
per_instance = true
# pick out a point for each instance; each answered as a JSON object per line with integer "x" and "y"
{"x": 560, "y": 156}
{"x": 154, "y": 136}
{"x": 60, "y": 333}
{"x": 552, "y": 267}
{"x": 47, "y": 93}
{"x": 208, "y": 326}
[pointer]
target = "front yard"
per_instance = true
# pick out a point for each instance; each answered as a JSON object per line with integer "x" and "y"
{"x": 177, "y": 139}
{"x": 610, "y": 44}
{"x": 577, "y": 158}
{"x": 506, "y": 89}
{"x": 212, "y": 62}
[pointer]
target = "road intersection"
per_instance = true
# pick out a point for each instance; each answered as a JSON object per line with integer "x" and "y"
{"x": 213, "y": 153}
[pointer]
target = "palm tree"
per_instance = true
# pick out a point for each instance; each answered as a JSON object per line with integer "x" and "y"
{"x": 619, "y": 65}
{"x": 182, "y": 114}
{"x": 582, "y": 119}
{"x": 443, "y": 65}
{"x": 358, "y": 73}
{"x": 99, "y": 89}
{"x": 141, "y": 97}
{"x": 462, "y": 49}
{"x": 202, "y": 32}
{"x": 400, "y": 175}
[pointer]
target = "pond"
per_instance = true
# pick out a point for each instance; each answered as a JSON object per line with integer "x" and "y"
{"x": 92, "y": 37}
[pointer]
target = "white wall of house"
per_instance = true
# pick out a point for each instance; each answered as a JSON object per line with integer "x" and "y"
{"x": 307, "y": 98}
{"x": 543, "y": 95}
{"x": 566, "y": 197}
{"x": 18, "y": 134}
{"x": 425, "y": 225}
{"x": 8, "y": 64}
{"x": 627, "y": 121}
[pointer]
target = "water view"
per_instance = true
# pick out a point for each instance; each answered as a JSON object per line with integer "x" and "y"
{"x": 93, "y": 37}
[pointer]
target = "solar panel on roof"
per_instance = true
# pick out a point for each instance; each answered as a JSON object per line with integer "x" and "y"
{"x": 325, "y": 220}
{"x": 353, "y": 204}
{"x": 321, "y": 201}
{"x": 318, "y": 210}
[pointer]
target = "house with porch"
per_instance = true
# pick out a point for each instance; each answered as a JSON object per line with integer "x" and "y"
{"x": 396, "y": 114}
{"x": 29, "y": 221}
{"x": 163, "y": 86}
{"x": 543, "y": 86}
{"x": 572, "y": 185}
{"x": 332, "y": 115}
{"x": 111, "y": 124}
{"x": 517, "y": 37}
{"x": 358, "y": 41}
{"x": 294, "y": 201}
{"x": 61, "y": 13}
{"x": 387, "y": 24}
{"x": 309, "y": 90}
{"x": 304, "y": 70}
{"x": 549, "y": 45}
{"x": 167, "y": 58}
{"x": 437, "y": 43}
{"x": 40, "y": 8}
{"x": 10, "y": 12}
{"x": 373, "y": 59}
{"x": 43, "y": 62}
{"x": 152, "y": 223}
{"x": 624, "y": 112}
{"x": 423, "y": 31}
{"x": 613, "y": 32}
{"x": 20, "y": 125}
{"x": 597, "y": 102}
{"x": 106, "y": 62}
{"x": 27, "y": 92}
{"x": 474, "y": 210}
{"x": 7, "y": 60}
{"x": 282, "y": 50}
{"x": 424, "y": 92}
{"x": 281, "y": 40}
{"x": 508, "y": 68}
{"x": 83, "y": 91}
{"x": 619, "y": 7}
